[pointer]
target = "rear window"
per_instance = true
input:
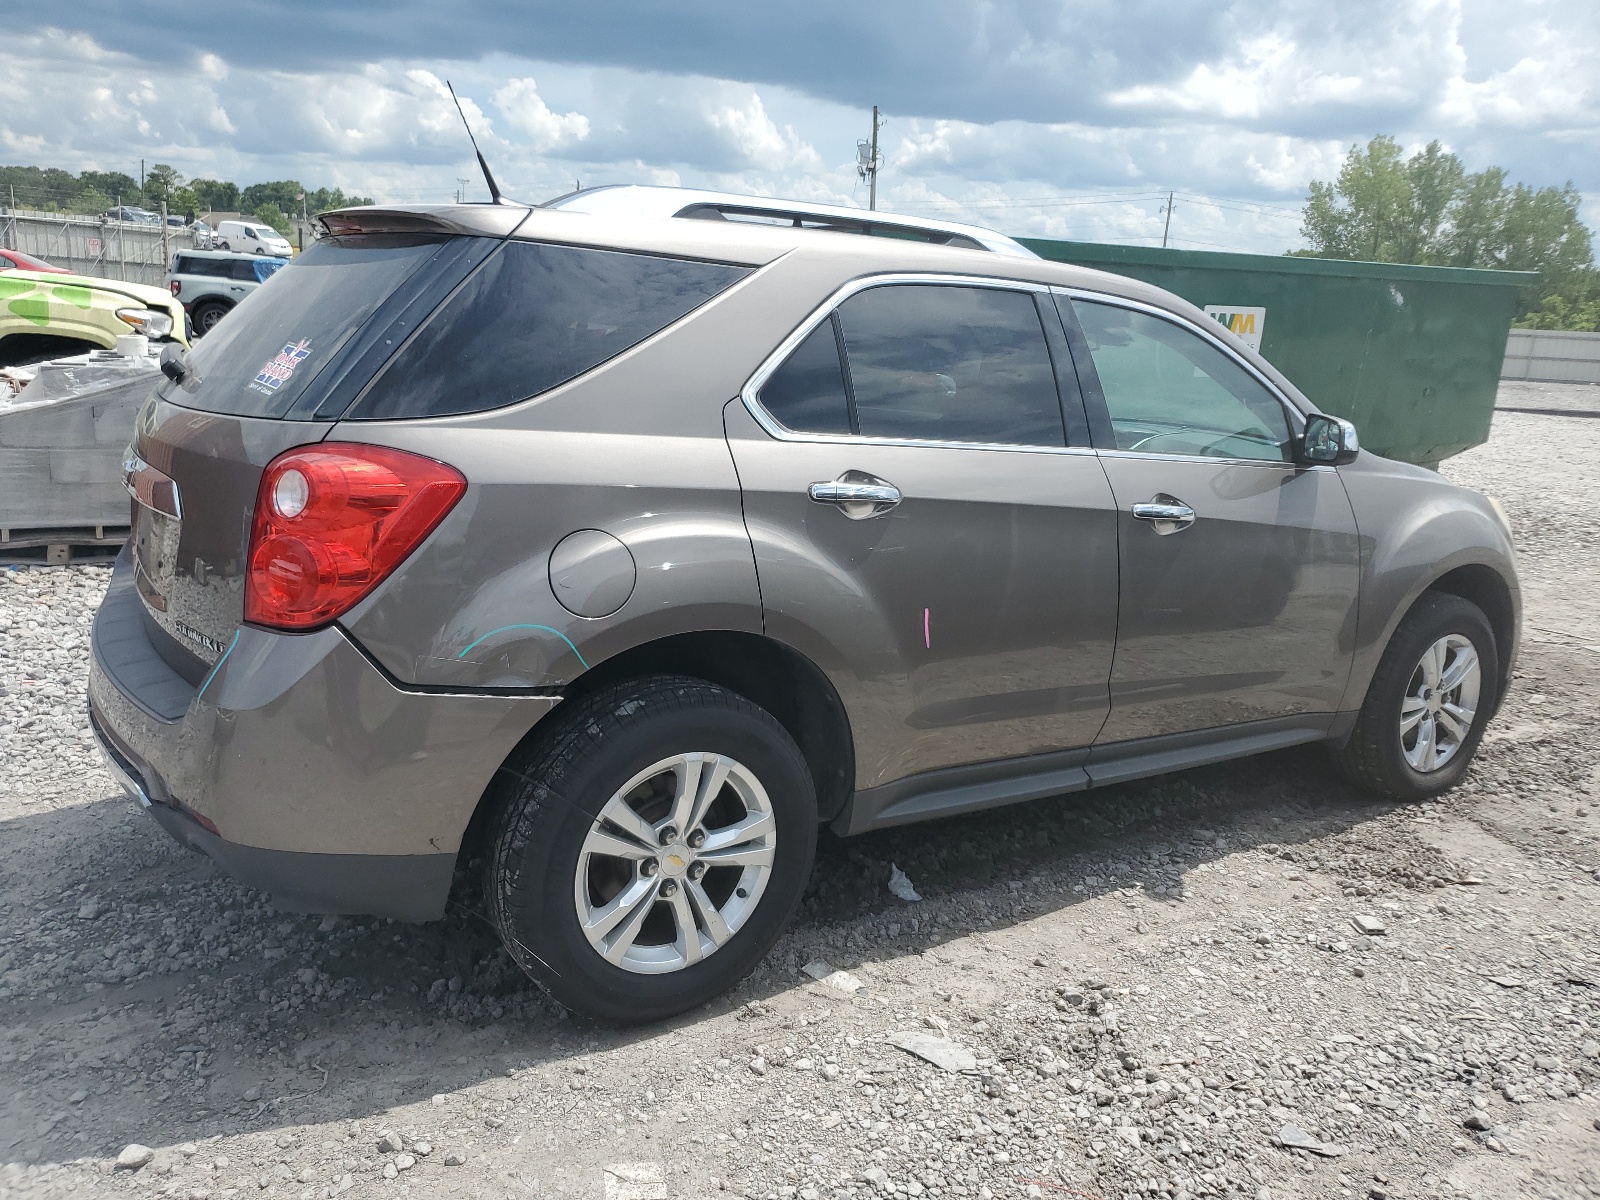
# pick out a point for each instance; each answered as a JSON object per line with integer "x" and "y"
{"x": 532, "y": 317}
{"x": 261, "y": 360}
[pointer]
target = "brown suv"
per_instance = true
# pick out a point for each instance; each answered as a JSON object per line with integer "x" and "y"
{"x": 632, "y": 552}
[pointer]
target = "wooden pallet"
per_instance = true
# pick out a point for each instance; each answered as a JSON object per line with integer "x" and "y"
{"x": 60, "y": 546}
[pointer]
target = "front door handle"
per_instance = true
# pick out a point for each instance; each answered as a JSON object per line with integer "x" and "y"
{"x": 858, "y": 495}
{"x": 1166, "y": 514}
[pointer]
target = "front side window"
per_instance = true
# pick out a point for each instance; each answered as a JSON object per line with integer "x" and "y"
{"x": 1169, "y": 391}
{"x": 949, "y": 363}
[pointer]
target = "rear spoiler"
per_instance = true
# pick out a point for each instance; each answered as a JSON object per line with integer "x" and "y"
{"x": 471, "y": 220}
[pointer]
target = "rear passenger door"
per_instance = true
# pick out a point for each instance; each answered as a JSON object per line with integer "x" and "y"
{"x": 925, "y": 528}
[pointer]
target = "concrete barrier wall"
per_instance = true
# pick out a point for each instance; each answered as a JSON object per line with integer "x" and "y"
{"x": 1552, "y": 356}
{"x": 92, "y": 246}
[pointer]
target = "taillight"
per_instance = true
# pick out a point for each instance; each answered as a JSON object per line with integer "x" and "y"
{"x": 177, "y": 287}
{"x": 332, "y": 521}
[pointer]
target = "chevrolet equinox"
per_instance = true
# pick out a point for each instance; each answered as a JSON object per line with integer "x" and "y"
{"x": 620, "y": 555}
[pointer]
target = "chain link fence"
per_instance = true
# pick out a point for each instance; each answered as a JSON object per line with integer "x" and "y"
{"x": 125, "y": 250}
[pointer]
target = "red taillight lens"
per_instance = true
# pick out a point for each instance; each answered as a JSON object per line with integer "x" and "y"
{"x": 177, "y": 286}
{"x": 332, "y": 521}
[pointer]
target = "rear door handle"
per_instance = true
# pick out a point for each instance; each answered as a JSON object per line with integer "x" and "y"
{"x": 858, "y": 495}
{"x": 1166, "y": 514}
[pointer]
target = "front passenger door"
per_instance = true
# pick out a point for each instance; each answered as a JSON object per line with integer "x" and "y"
{"x": 1239, "y": 567}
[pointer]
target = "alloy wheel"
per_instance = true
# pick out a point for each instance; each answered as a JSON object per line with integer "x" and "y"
{"x": 1440, "y": 702}
{"x": 676, "y": 863}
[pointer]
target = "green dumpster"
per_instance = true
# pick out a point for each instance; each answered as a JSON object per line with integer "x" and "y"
{"x": 1410, "y": 354}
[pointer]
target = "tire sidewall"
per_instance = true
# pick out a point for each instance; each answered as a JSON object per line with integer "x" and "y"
{"x": 1445, "y": 617}
{"x": 534, "y": 886}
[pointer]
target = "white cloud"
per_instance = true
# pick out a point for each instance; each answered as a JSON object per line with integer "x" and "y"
{"x": 525, "y": 109}
{"x": 757, "y": 138}
{"x": 1247, "y": 105}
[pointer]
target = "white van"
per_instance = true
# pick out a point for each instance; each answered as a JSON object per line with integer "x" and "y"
{"x": 247, "y": 237}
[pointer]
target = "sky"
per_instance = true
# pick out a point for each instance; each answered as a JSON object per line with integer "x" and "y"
{"x": 1048, "y": 118}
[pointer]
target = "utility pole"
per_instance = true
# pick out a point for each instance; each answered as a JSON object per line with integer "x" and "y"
{"x": 166, "y": 247}
{"x": 868, "y": 162}
{"x": 1167, "y": 228}
{"x": 141, "y": 183}
{"x": 461, "y": 190}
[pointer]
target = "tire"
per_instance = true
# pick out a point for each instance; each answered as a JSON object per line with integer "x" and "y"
{"x": 1383, "y": 757}
{"x": 625, "y": 749}
{"x": 207, "y": 314}
{"x": 223, "y": 246}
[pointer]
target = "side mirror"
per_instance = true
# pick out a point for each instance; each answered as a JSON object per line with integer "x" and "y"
{"x": 1329, "y": 440}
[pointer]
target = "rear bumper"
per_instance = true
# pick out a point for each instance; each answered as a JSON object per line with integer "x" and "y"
{"x": 408, "y": 887}
{"x": 297, "y": 765}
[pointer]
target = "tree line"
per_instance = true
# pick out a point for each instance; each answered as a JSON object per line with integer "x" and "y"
{"x": 90, "y": 192}
{"x": 1385, "y": 207}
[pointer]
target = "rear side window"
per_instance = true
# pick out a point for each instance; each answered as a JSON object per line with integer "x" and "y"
{"x": 260, "y": 362}
{"x": 807, "y": 393}
{"x": 532, "y": 317}
{"x": 218, "y": 267}
{"x": 946, "y": 363}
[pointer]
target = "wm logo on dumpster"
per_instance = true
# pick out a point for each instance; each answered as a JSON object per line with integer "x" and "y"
{"x": 1244, "y": 322}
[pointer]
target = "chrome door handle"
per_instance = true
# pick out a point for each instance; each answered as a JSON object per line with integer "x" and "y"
{"x": 839, "y": 492}
{"x": 1166, "y": 513}
{"x": 858, "y": 496}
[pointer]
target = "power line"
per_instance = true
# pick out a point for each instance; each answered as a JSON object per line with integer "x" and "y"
{"x": 1101, "y": 198}
{"x": 1097, "y": 198}
{"x": 1242, "y": 205}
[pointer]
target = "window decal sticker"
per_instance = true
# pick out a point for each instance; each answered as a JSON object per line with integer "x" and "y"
{"x": 273, "y": 376}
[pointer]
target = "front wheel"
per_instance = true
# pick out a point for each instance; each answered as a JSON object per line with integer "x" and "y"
{"x": 207, "y": 315}
{"x": 1428, "y": 702}
{"x": 649, "y": 849}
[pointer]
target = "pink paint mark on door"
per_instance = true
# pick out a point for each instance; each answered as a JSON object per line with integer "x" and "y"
{"x": 927, "y": 640}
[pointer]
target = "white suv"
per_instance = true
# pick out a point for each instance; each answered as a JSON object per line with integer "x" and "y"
{"x": 209, "y": 283}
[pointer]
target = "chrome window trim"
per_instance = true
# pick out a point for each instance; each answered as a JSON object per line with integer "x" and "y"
{"x": 1279, "y": 463}
{"x": 751, "y": 391}
{"x": 1297, "y": 418}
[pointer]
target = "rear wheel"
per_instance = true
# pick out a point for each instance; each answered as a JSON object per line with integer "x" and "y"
{"x": 1428, "y": 702}
{"x": 651, "y": 847}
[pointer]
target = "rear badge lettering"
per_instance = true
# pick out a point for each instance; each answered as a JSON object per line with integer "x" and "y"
{"x": 194, "y": 635}
{"x": 273, "y": 376}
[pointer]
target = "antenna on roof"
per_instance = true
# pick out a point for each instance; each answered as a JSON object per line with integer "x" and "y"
{"x": 488, "y": 177}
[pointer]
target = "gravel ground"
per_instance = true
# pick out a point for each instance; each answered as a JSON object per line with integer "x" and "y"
{"x": 1246, "y": 980}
